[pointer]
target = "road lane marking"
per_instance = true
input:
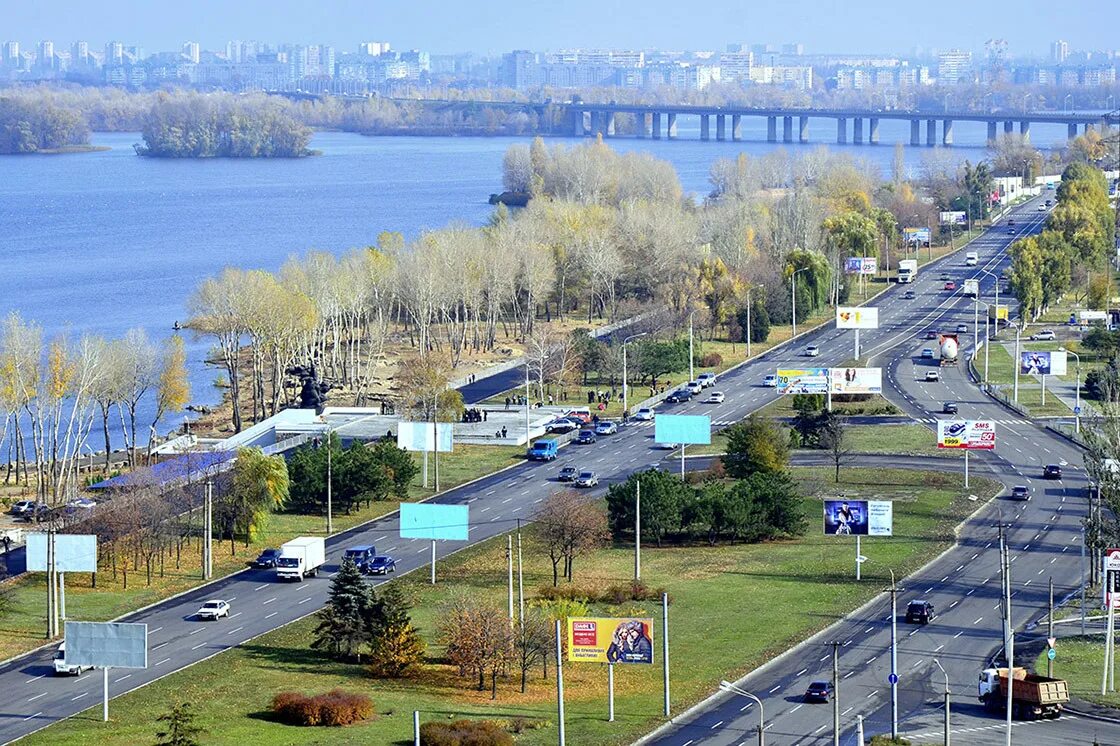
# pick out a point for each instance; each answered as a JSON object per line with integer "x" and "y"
{"x": 75, "y": 699}
{"x": 163, "y": 661}
{"x": 197, "y": 631}
{"x": 37, "y": 696}
{"x": 779, "y": 686}
{"x": 232, "y": 631}
{"x": 127, "y": 675}
{"x": 716, "y": 725}
{"x": 272, "y": 615}
{"x": 196, "y": 647}
{"x": 32, "y": 717}
{"x": 266, "y": 603}
{"x": 802, "y": 671}
{"x": 262, "y": 587}
{"x": 157, "y": 629}
{"x": 304, "y": 600}
{"x": 35, "y": 679}
{"x": 978, "y": 620}
{"x": 157, "y": 647}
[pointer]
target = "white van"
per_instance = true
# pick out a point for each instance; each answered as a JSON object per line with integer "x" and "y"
{"x": 971, "y": 259}
{"x": 62, "y": 668}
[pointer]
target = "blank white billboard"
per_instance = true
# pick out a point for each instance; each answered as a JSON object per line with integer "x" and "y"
{"x": 73, "y": 552}
{"x": 107, "y": 644}
{"x": 422, "y": 436}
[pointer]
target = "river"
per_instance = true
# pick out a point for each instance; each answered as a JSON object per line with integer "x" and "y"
{"x": 105, "y": 241}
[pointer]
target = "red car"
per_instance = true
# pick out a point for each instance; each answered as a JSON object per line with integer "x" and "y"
{"x": 950, "y": 285}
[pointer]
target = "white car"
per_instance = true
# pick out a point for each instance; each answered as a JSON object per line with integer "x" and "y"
{"x": 213, "y": 609}
{"x": 707, "y": 379}
{"x": 770, "y": 381}
{"x": 645, "y": 414}
{"x": 716, "y": 397}
{"x": 933, "y": 376}
{"x": 1042, "y": 208}
{"x": 587, "y": 479}
{"x": 694, "y": 387}
{"x": 1046, "y": 335}
{"x": 813, "y": 350}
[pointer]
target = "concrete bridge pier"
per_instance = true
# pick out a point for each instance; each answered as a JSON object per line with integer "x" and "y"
{"x": 873, "y": 134}
{"x": 787, "y": 129}
{"x": 803, "y": 124}
{"x": 931, "y": 132}
{"x": 736, "y": 127}
{"x": 721, "y": 127}
{"x": 857, "y": 131}
{"x": 771, "y": 129}
{"x": 1071, "y": 131}
{"x": 1008, "y": 127}
{"x": 947, "y": 132}
{"x": 1025, "y": 130}
{"x": 915, "y": 132}
{"x": 579, "y": 127}
{"x": 656, "y": 122}
{"x": 671, "y": 126}
{"x": 642, "y": 125}
{"x": 841, "y": 130}
{"x": 991, "y": 134}
{"x": 705, "y": 127}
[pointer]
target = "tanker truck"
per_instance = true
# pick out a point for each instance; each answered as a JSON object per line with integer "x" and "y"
{"x": 949, "y": 347}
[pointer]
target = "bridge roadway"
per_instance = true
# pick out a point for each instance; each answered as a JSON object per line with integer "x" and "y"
{"x": 963, "y": 584}
{"x": 32, "y": 698}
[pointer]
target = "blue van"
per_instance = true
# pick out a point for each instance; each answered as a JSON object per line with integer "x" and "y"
{"x": 544, "y": 449}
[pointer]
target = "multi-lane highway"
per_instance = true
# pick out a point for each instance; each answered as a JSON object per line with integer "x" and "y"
{"x": 964, "y": 586}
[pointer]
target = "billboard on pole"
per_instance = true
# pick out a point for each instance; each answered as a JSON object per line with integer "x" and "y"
{"x": 107, "y": 644}
{"x": 1111, "y": 574}
{"x": 954, "y": 217}
{"x": 803, "y": 381}
{"x": 73, "y": 552}
{"x": 421, "y": 436}
{"x": 1043, "y": 363}
{"x": 690, "y": 429}
{"x": 606, "y": 640}
{"x": 434, "y": 521}
{"x": 861, "y": 265}
{"x": 856, "y": 380}
{"x": 916, "y": 236}
{"x": 970, "y": 435}
{"x": 858, "y": 517}
{"x": 856, "y": 317}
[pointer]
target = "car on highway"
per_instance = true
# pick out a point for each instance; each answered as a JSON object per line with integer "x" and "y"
{"x": 950, "y": 285}
{"x": 1048, "y": 203}
{"x": 62, "y": 668}
{"x": 694, "y": 387}
{"x": 678, "y": 396}
{"x": 267, "y": 559}
{"x": 927, "y": 353}
{"x": 606, "y": 427}
{"x": 716, "y": 397}
{"x": 962, "y": 328}
{"x": 919, "y": 612}
{"x": 1011, "y": 221}
{"x": 909, "y": 295}
{"x": 213, "y": 609}
{"x": 933, "y": 376}
{"x": 1020, "y": 492}
{"x": 1010, "y": 230}
{"x": 360, "y": 554}
{"x": 950, "y": 407}
{"x": 567, "y": 474}
{"x": 1052, "y": 471}
{"x": 563, "y": 425}
{"x": 819, "y": 691}
{"x": 1046, "y": 335}
{"x": 770, "y": 381}
{"x": 586, "y": 437}
{"x": 1042, "y": 208}
{"x": 945, "y": 276}
{"x": 707, "y": 379}
{"x": 381, "y": 564}
{"x": 813, "y": 350}
{"x": 931, "y": 334}
{"x": 587, "y": 479}
{"x": 645, "y": 414}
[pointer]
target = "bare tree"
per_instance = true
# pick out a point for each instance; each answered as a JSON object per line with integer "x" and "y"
{"x": 569, "y": 526}
{"x": 478, "y": 638}
{"x": 833, "y": 439}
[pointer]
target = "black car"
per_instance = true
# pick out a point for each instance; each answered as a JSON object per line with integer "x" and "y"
{"x": 819, "y": 691}
{"x": 1051, "y": 471}
{"x": 909, "y": 295}
{"x": 931, "y": 334}
{"x": 950, "y": 407}
{"x": 919, "y": 612}
{"x": 586, "y": 437}
{"x": 382, "y": 564}
{"x": 678, "y": 396}
{"x": 567, "y": 474}
{"x": 267, "y": 558}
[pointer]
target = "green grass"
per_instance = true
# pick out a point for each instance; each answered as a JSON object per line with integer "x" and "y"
{"x": 1001, "y": 372}
{"x": 911, "y": 439}
{"x": 770, "y": 597}
{"x": 1080, "y": 662}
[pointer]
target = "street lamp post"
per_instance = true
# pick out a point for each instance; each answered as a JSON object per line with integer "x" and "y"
{"x": 894, "y": 591}
{"x": 330, "y": 518}
{"x": 625, "y": 386}
{"x": 987, "y": 331}
{"x": 793, "y": 299}
{"x": 1077, "y": 391}
{"x": 691, "y": 371}
{"x": 947, "y": 700}
{"x": 727, "y": 686}
{"x": 1015, "y": 362}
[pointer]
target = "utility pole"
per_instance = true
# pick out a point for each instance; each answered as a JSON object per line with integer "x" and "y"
{"x": 691, "y": 371}
{"x": 835, "y": 693}
{"x": 330, "y": 524}
{"x": 520, "y": 577}
{"x": 894, "y": 591}
{"x": 509, "y": 566}
{"x": 559, "y": 684}
{"x": 1010, "y": 636}
{"x": 208, "y": 533}
{"x": 1050, "y": 630}
{"x": 638, "y": 529}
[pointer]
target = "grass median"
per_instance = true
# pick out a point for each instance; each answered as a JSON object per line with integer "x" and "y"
{"x": 733, "y": 607}
{"x": 1080, "y": 661}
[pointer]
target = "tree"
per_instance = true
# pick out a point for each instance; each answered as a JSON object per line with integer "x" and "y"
{"x": 260, "y": 485}
{"x": 344, "y": 622}
{"x": 663, "y": 499}
{"x": 173, "y": 388}
{"x": 477, "y": 637}
{"x": 397, "y": 464}
{"x": 779, "y": 502}
{"x": 569, "y": 526}
{"x": 532, "y": 641}
{"x": 832, "y": 439}
{"x": 180, "y": 729}
{"x": 757, "y": 445}
{"x": 139, "y": 371}
{"x": 759, "y": 330}
{"x": 656, "y": 357}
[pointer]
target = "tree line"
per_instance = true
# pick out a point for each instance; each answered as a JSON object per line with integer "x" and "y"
{"x": 32, "y": 126}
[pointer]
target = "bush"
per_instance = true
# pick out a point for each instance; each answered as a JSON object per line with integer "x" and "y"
{"x": 464, "y": 733}
{"x": 616, "y": 594}
{"x": 335, "y": 708}
{"x": 711, "y": 360}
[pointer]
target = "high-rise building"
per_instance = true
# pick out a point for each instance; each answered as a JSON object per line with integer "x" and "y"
{"x": 795, "y": 50}
{"x": 79, "y": 54}
{"x": 45, "y": 58}
{"x": 10, "y": 54}
{"x": 1059, "y": 51}
{"x": 114, "y": 53}
{"x": 192, "y": 51}
{"x": 954, "y": 66}
{"x": 373, "y": 48}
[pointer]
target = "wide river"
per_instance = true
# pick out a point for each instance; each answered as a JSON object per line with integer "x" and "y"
{"x": 102, "y": 242}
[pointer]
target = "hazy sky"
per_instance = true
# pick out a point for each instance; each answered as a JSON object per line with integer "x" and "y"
{"x": 500, "y": 25}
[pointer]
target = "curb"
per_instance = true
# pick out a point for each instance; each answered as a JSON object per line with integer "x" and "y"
{"x": 1093, "y": 715}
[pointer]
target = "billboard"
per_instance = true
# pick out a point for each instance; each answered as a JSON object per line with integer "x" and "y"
{"x": 691, "y": 429}
{"x": 434, "y": 521}
{"x": 605, "y": 640}
{"x": 858, "y": 517}
{"x": 107, "y": 644}
{"x": 916, "y": 235}
{"x": 861, "y": 265}
{"x": 73, "y": 552}
{"x": 856, "y": 380}
{"x": 850, "y": 317}
{"x": 1043, "y": 363}
{"x": 421, "y": 436}
{"x": 970, "y": 435}
{"x": 1111, "y": 588}
{"x": 955, "y": 217}
{"x": 805, "y": 381}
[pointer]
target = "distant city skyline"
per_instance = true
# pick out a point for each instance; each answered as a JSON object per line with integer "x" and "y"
{"x": 445, "y": 27}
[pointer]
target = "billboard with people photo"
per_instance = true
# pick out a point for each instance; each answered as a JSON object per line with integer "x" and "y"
{"x": 858, "y": 517}
{"x": 606, "y": 640}
{"x": 1043, "y": 363}
{"x": 856, "y": 380}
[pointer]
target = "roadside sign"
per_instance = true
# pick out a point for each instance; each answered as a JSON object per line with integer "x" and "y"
{"x": 1051, "y": 641}
{"x": 1077, "y": 410}
{"x": 893, "y": 678}
{"x": 1051, "y": 653}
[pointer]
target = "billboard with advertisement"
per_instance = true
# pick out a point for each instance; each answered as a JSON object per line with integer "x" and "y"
{"x": 803, "y": 381}
{"x": 433, "y": 521}
{"x": 858, "y": 517}
{"x": 422, "y": 436}
{"x": 1111, "y": 573}
{"x": 954, "y": 217}
{"x": 861, "y": 265}
{"x": 916, "y": 236}
{"x": 970, "y": 435}
{"x": 857, "y": 317}
{"x": 607, "y": 640}
{"x": 691, "y": 429}
{"x": 1043, "y": 363}
{"x": 856, "y": 380}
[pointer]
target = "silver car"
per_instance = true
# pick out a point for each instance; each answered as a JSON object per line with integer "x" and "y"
{"x": 587, "y": 479}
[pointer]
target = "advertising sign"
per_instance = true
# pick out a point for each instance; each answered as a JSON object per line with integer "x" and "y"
{"x": 1111, "y": 573}
{"x": 856, "y": 380}
{"x": 433, "y": 521}
{"x": 806, "y": 381}
{"x": 955, "y": 217}
{"x": 861, "y": 265}
{"x": 691, "y": 429}
{"x": 858, "y": 517}
{"x": 856, "y": 317}
{"x": 107, "y": 644}
{"x": 1043, "y": 363}
{"x": 916, "y": 236}
{"x": 421, "y": 436}
{"x": 605, "y": 640}
{"x": 971, "y": 435}
{"x": 73, "y": 552}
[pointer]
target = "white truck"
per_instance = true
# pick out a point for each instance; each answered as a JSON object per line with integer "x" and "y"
{"x": 301, "y": 558}
{"x": 971, "y": 259}
{"x": 972, "y": 288}
{"x": 907, "y": 270}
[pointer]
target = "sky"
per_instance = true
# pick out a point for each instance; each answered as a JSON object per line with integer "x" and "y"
{"x": 446, "y": 26}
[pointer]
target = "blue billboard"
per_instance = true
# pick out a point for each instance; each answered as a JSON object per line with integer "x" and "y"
{"x": 690, "y": 429}
{"x": 433, "y": 521}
